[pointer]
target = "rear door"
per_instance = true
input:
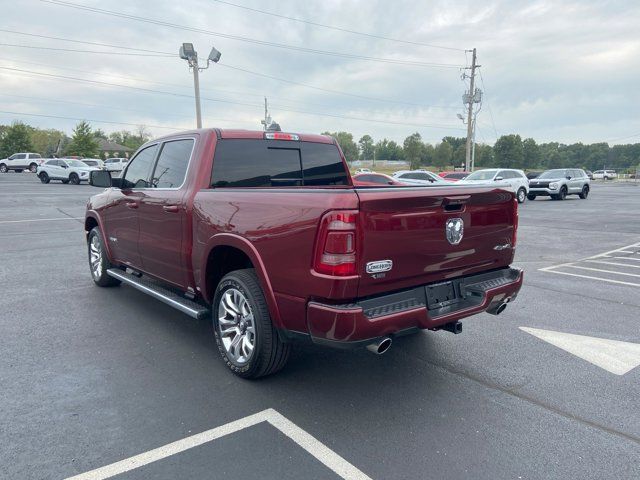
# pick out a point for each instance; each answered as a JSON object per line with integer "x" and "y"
{"x": 162, "y": 214}
{"x": 121, "y": 216}
{"x": 409, "y": 227}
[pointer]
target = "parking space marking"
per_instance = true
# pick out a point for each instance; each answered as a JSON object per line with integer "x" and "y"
{"x": 633, "y": 252}
{"x": 613, "y": 356}
{"x": 41, "y": 220}
{"x": 317, "y": 449}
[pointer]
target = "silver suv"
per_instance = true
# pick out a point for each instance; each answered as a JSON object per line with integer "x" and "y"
{"x": 559, "y": 183}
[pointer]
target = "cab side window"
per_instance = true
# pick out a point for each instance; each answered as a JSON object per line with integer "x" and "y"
{"x": 139, "y": 170}
{"x": 171, "y": 168}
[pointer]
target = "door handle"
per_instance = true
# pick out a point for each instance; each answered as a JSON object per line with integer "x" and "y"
{"x": 171, "y": 208}
{"x": 131, "y": 204}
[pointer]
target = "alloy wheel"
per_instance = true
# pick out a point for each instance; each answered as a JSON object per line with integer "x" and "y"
{"x": 236, "y": 326}
{"x": 95, "y": 257}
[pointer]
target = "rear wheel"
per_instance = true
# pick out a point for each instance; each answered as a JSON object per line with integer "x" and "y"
{"x": 74, "y": 179}
{"x": 98, "y": 261}
{"x": 247, "y": 340}
{"x": 44, "y": 178}
{"x": 585, "y": 192}
{"x": 3, "y": 168}
{"x": 522, "y": 195}
{"x": 33, "y": 167}
{"x": 531, "y": 197}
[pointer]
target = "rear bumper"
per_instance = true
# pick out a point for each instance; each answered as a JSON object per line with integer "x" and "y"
{"x": 355, "y": 324}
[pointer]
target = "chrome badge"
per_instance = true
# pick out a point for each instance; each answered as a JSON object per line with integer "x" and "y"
{"x": 454, "y": 229}
{"x": 379, "y": 267}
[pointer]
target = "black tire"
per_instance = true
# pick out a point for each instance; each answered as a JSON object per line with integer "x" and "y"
{"x": 269, "y": 353}
{"x": 3, "y": 168}
{"x": 74, "y": 179}
{"x": 563, "y": 194}
{"x": 521, "y": 195}
{"x": 65, "y": 181}
{"x": 585, "y": 192}
{"x": 44, "y": 177}
{"x": 99, "y": 275}
{"x": 33, "y": 167}
{"x": 531, "y": 197}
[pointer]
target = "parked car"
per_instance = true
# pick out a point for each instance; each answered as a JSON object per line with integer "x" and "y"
{"x": 532, "y": 175}
{"x": 20, "y": 161}
{"x": 453, "y": 176}
{"x": 604, "y": 175}
{"x": 374, "y": 179}
{"x": 264, "y": 233}
{"x": 417, "y": 177}
{"x": 115, "y": 164}
{"x": 559, "y": 183}
{"x": 364, "y": 170}
{"x": 64, "y": 169}
{"x": 94, "y": 162}
{"x": 516, "y": 179}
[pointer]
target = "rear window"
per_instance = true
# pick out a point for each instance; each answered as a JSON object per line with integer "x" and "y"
{"x": 456, "y": 175}
{"x": 274, "y": 163}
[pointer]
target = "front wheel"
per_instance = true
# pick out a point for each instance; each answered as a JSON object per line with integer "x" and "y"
{"x": 3, "y": 168}
{"x": 562, "y": 195}
{"x": 98, "y": 261}
{"x": 522, "y": 194}
{"x": 33, "y": 167}
{"x": 44, "y": 178}
{"x": 247, "y": 340}
{"x": 585, "y": 192}
{"x": 74, "y": 179}
{"x": 531, "y": 197}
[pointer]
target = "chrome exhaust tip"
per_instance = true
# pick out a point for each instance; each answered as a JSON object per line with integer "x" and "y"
{"x": 498, "y": 309}
{"x": 380, "y": 346}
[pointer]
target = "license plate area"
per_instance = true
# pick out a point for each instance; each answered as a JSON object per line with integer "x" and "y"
{"x": 441, "y": 295}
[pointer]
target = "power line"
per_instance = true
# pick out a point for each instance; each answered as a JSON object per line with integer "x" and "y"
{"x": 82, "y": 51}
{"x": 304, "y": 112}
{"x": 88, "y": 120}
{"x": 488, "y": 104}
{"x": 248, "y": 39}
{"x": 332, "y": 27}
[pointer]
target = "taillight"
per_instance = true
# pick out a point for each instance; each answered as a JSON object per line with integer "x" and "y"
{"x": 337, "y": 244}
{"x": 280, "y": 136}
{"x": 514, "y": 235}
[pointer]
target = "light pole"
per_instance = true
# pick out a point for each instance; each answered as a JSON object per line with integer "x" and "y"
{"x": 188, "y": 53}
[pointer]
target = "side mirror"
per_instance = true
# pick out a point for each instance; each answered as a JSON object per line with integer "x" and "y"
{"x": 497, "y": 179}
{"x": 390, "y": 182}
{"x": 100, "y": 178}
{"x": 568, "y": 177}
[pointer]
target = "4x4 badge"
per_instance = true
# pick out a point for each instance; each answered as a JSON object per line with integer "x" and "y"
{"x": 454, "y": 230}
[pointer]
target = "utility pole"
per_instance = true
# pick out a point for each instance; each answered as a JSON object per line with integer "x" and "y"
{"x": 196, "y": 86}
{"x": 470, "y": 122}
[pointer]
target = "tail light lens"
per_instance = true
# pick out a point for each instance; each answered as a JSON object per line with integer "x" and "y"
{"x": 514, "y": 235}
{"x": 337, "y": 244}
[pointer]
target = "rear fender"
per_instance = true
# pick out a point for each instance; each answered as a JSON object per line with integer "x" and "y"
{"x": 235, "y": 241}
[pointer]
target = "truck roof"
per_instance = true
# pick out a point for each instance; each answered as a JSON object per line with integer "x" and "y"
{"x": 250, "y": 134}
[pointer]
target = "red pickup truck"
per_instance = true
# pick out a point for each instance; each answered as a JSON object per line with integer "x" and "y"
{"x": 266, "y": 234}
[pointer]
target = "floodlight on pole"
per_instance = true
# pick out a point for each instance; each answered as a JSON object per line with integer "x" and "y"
{"x": 188, "y": 53}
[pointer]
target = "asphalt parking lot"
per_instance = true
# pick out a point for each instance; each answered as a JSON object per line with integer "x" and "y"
{"x": 95, "y": 376}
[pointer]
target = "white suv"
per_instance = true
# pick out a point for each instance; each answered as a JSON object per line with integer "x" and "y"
{"x": 21, "y": 161}
{"x": 66, "y": 170}
{"x": 516, "y": 179}
{"x": 604, "y": 174}
{"x": 115, "y": 164}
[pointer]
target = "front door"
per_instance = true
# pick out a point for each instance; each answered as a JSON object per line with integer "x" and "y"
{"x": 164, "y": 228}
{"x": 122, "y": 214}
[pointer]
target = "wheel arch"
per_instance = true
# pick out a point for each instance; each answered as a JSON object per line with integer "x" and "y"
{"x": 92, "y": 220}
{"x": 227, "y": 252}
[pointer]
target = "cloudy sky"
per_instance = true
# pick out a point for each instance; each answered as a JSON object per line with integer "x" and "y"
{"x": 551, "y": 70}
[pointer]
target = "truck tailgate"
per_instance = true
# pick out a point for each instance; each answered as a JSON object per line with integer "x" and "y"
{"x": 408, "y": 226}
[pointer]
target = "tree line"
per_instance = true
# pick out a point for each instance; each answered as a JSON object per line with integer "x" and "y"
{"x": 84, "y": 141}
{"x": 508, "y": 151}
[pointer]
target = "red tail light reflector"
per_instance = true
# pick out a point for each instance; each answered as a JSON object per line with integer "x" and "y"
{"x": 280, "y": 136}
{"x": 337, "y": 244}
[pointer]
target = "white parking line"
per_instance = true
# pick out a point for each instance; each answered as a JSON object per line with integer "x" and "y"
{"x": 605, "y": 271}
{"x": 626, "y": 258}
{"x": 612, "y": 263}
{"x": 42, "y": 220}
{"x": 317, "y": 449}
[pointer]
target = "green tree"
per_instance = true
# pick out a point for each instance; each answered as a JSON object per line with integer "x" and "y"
{"x": 531, "y": 154}
{"x": 16, "y": 138}
{"x": 348, "y": 146}
{"x": 428, "y": 154}
{"x": 83, "y": 143}
{"x": 443, "y": 155}
{"x": 455, "y": 142}
{"x": 508, "y": 151}
{"x": 367, "y": 149}
{"x": 413, "y": 147}
{"x": 484, "y": 156}
{"x": 460, "y": 155}
{"x": 388, "y": 150}
{"x": 46, "y": 141}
